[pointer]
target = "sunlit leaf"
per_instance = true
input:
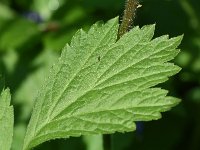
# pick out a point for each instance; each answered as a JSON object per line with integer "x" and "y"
{"x": 101, "y": 86}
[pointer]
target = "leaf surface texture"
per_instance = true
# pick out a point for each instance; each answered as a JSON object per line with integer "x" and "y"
{"x": 100, "y": 85}
{"x": 6, "y": 120}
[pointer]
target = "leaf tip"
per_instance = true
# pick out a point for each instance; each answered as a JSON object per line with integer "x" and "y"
{"x": 178, "y": 40}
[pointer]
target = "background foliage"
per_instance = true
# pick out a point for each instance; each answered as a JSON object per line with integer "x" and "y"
{"x": 32, "y": 34}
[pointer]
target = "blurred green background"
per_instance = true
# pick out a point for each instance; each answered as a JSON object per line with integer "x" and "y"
{"x": 33, "y": 33}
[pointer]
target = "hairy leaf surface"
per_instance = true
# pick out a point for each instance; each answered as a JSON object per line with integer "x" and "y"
{"x": 100, "y": 85}
{"x": 6, "y": 120}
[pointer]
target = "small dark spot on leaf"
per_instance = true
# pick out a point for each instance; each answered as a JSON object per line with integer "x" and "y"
{"x": 99, "y": 58}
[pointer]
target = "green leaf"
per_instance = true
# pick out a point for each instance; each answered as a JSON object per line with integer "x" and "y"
{"x": 6, "y": 120}
{"x": 14, "y": 28}
{"x": 26, "y": 93}
{"x": 93, "y": 142}
{"x": 100, "y": 86}
{"x": 5, "y": 12}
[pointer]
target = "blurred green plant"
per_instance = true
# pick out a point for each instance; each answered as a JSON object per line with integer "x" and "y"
{"x": 23, "y": 67}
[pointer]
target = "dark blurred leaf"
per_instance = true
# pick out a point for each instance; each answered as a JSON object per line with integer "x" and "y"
{"x": 18, "y": 33}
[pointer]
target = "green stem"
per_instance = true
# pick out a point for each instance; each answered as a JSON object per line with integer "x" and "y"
{"x": 128, "y": 17}
{"x": 107, "y": 142}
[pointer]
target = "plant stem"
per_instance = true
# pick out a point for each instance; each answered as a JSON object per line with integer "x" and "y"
{"x": 107, "y": 142}
{"x": 129, "y": 14}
